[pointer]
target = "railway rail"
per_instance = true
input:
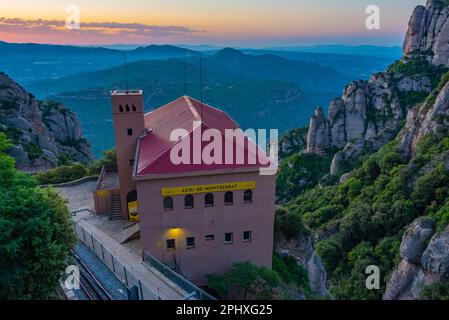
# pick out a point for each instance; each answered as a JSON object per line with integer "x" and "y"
{"x": 89, "y": 284}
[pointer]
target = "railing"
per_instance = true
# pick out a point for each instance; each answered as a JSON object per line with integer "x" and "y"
{"x": 120, "y": 268}
{"x": 74, "y": 213}
{"x": 182, "y": 282}
{"x": 70, "y": 183}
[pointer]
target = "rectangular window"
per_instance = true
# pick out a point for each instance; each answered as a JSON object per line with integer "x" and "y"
{"x": 190, "y": 242}
{"x": 131, "y": 162}
{"x": 209, "y": 237}
{"x": 228, "y": 238}
{"x": 247, "y": 236}
{"x": 130, "y": 132}
{"x": 171, "y": 245}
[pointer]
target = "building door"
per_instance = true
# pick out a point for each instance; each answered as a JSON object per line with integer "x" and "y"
{"x": 133, "y": 208}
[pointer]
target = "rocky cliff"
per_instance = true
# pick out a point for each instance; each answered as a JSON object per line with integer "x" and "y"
{"x": 423, "y": 263}
{"x": 428, "y": 32}
{"x": 43, "y": 133}
{"x": 370, "y": 113}
{"x": 428, "y": 118}
{"x": 302, "y": 250}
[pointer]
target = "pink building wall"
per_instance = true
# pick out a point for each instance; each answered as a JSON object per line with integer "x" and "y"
{"x": 215, "y": 256}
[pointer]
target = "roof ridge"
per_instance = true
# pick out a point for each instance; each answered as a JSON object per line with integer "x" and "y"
{"x": 164, "y": 105}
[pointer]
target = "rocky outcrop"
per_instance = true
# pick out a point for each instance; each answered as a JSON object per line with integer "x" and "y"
{"x": 429, "y": 118}
{"x": 41, "y": 132}
{"x": 423, "y": 262}
{"x": 368, "y": 115}
{"x": 302, "y": 249}
{"x": 318, "y": 140}
{"x": 428, "y": 32}
{"x": 293, "y": 141}
{"x": 415, "y": 239}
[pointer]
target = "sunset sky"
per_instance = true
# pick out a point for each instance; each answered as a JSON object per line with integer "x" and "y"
{"x": 256, "y": 23}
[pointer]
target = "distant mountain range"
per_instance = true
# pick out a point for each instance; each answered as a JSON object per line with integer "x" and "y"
{"x": 223, "y": 66}
{"x": 254, "y": 102}
{"x": 28, "y": 62}
{"x": 258, "y": 88}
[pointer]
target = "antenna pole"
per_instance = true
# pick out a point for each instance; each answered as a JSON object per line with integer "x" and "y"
{"x": 185, "y": 77}
{"x": 126, "y": 72}
{"x": 201, "y": 86}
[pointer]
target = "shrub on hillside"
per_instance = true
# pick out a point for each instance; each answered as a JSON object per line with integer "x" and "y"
{"x": 62, "y": 174}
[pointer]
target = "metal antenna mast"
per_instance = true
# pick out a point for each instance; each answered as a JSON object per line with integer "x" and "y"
{"x": 185, "y": 76}
{"x": 201, "y": 86}
{"x": 126, "y": 72}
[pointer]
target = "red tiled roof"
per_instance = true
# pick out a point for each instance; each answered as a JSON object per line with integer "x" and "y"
{"x": 155, "y": 146}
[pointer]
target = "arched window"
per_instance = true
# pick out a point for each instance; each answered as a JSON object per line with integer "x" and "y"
{"x": 188, "y": 201}
{"x": 134, "y": 107}
{"x": 120, "y": 108}
{"x": 228, "y": 198}
{"x": 127, "y": 108}
{"x": 248, "y": 196}
{"x": 168, "y": 203}
{"x": 131, "y": 196}
{"x": 209, "y": 200}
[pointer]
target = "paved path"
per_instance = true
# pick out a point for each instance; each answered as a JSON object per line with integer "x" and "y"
{"x": 80, "y": 196}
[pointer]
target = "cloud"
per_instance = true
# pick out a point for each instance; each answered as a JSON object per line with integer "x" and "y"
{"x": 103, "y": 29}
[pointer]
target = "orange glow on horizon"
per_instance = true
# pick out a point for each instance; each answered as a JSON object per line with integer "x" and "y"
{"x": 217, "y": 21}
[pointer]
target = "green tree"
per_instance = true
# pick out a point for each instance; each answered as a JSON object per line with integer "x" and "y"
{"x": 62, "y": 174}
{"x": 109, "y": 158}
{"x": 35, "y": 234}
{"x": 288, "y": 224}
{"x": 245, "y": 281}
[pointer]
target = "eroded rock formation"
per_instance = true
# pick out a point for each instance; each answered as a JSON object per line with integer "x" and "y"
{"x": 423, "y": 262}
{"x": 428, "y": 32}
{"x": 41, "y": 132}
{"x": 370, "y": 113}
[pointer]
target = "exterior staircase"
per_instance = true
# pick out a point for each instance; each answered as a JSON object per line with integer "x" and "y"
{"x": 117, "y": 212}
{"x": 131, "y": 231}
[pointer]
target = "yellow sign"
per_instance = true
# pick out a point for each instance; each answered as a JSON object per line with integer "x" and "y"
{"x": 132, "y": 210}
{"x": 102, "y": 193}
{"x": 205, "y": 188}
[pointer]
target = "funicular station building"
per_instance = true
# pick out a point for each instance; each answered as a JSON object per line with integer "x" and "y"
{"x": 196, "y": 217}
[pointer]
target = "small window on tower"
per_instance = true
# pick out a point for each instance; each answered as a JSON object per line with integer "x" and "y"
{"x": 130, "y": 132}
{"x": 134, "y": 107}
{"x": 127, "y": 108}
{"x": 120, "y": 107}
